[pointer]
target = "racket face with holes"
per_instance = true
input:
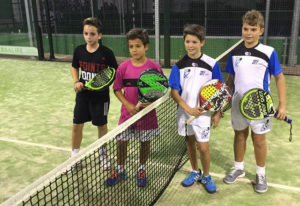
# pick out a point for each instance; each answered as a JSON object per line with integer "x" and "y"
{"x": 214, "y": 95}
{"x": 152, "y": 85}
{"x": 257, "y": 104}
{"x": 102, "y": 79}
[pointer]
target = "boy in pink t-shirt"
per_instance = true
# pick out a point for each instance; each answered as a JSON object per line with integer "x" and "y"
{"x": 145, "y": 128}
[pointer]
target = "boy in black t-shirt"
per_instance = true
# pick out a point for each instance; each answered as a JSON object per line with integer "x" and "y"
{"x": 90, "y": 105}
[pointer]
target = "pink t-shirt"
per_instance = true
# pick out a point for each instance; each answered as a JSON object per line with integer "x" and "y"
{"x": 126, "y": 78}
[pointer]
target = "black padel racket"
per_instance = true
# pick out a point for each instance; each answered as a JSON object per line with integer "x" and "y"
{"x": 257, "y": 104}
{"x": 152, "y": 85}
{"x": 102, "y": 79}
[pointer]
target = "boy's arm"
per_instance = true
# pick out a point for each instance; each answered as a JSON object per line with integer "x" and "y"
{"x": 130, "y": 107}
{"x": 230, "y": 81}
{"x": 78, "y": 86}
{"x": 191, "y": 111}
{"x": 280, "y": 84}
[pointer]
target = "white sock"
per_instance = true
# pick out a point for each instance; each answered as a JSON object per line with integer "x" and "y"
{"x": 120, "y": 168}
{"x": 261, "y": 170}
{"x": 143, "y": 167}
{"x": 75, "y": 152}
{"x": 196, "y": 171}
{"x": 239, "y": 165}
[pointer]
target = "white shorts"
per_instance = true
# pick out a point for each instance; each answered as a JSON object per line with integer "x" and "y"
{"x": 140, "y": 135}
{"x": 200, "y": 127}
{"x": 239, "y": 122}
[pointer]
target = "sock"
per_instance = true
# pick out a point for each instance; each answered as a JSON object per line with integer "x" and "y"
{"x": 120, "y": 168}
{"x": 75, "y": 152}
{"x": 239, "y": 165}
{"x": 261, "y": 170}
{"x": 142, "y": 167}
{"x": 196, "y": 171}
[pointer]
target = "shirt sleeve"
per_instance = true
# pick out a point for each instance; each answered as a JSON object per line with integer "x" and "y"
{"x": 229, "y": 67}
{"x": 75, "y": 61}
{"x": 174, "y": 79}
{"x": 274, "y": 64}
{"x": 118, "y": 84}
{"x": 112, "y": 60}
{"x": 216, "y": 72}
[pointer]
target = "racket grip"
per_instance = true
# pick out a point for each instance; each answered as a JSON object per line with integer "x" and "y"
{"x": 138, "y": 105}
{"x": 190, "y": 120}
{"x": 286, "y": 119}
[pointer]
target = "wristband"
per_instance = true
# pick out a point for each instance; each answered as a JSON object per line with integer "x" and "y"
{"x": 76, "y": 82}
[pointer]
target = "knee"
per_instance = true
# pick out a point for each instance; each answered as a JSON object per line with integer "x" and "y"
{"x": 203, "y": 148}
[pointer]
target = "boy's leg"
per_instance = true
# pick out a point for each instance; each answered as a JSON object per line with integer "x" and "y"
{"x": 77, "y": 135}
{"x": 118, "y": 174}
{"x": 192, "y": 151}
{"x": 206, "y": 179}
{"x": 195, "y": 175}
{"x": 240, "y": 139}
{"x": 204, "y": 157}
{"x": 141, "y": 173}
{"x": 144, "y": 152}
{"x": 102, "y": 130}
{"x": 260, "y": 151}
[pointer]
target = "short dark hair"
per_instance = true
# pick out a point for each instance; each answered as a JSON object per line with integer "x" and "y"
{"x": 93, "y": 22}
{"x": 138, "y": 33}
{"x": 196, "y": 30}
{"x": 254, "y": 18}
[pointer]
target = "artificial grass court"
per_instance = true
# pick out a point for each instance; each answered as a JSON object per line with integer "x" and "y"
{"x": 36, "y": 108}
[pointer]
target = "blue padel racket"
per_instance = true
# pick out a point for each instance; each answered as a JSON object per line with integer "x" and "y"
{"x": 152, "y": 85}
{"x": 257, "y": 104}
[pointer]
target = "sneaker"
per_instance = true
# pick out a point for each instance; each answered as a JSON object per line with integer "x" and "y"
{"x": 208, "y": 184}
{"x": 261, "y": 184}
{"x": 104, "y": 161}
{"x": 115, "y": 177}
{"x": 141, "y": 178}
{"x": 233, "y": 175}
{"x": 192, "y": 178}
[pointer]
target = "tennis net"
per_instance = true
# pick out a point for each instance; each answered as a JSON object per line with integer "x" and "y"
{"x": 84, "y": 182}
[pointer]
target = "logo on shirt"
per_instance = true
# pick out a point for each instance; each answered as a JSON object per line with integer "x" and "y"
{"x": 194, "y": 64}
{"x": 186, "y": 73}
{"x": 248, "y": 53}
{"x": 202, "y": 72}
{"x": 255, "y": 61}
{"x": 237, "y": 61}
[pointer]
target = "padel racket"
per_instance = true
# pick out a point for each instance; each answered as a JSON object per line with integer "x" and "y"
{"x": 152, "y": 85}
{"x": 101, "y": 80}
{"x": 257, "y": 104}
{"x": 214, "y": 95}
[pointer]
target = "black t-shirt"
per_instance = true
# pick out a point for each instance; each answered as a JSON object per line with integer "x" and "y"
{"x": 91, "y": 63}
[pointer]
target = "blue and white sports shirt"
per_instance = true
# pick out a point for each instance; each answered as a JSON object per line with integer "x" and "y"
{"x": 253, "y": 67}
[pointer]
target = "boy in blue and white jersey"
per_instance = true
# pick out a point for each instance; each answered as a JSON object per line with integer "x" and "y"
{"x": 251, "y": 65}
{"x": 187, "y": 77}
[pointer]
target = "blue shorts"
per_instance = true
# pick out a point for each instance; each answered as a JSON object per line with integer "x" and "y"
{"x": 91, "y": 106}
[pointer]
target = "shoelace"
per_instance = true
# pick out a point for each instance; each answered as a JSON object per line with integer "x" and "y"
{"x": 233, "y": 170}
{"x": 261, "y": 179}
{"x": 114, "y": 174}
{"x": 141, "y": 174}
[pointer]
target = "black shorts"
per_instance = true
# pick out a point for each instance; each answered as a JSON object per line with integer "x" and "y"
{"x": 91, "y": 106}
